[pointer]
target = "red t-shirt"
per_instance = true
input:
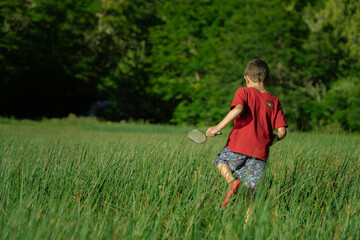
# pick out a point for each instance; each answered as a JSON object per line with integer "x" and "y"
{"x": 253, "y": 129}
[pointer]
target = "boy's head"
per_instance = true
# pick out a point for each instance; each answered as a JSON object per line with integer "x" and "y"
{"x": 258, "y": 71}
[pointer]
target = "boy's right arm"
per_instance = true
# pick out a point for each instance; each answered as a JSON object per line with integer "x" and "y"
{"x": 234, "y": 113}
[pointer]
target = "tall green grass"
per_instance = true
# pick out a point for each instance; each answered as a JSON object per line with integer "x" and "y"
{"x": 81, "y": 179}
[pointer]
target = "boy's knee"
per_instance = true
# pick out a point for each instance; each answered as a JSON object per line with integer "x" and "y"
{"x": 222, "y": 166}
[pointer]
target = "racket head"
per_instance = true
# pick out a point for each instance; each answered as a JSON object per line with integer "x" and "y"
{"x": 197, "y": 136}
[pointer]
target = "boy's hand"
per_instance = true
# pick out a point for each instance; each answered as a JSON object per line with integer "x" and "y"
{"x": 274, "y": 139}
{"x": 211, "y": 132}
{"x": 277, "y": 137}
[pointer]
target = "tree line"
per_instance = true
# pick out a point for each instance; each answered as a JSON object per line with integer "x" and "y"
{"x": 179, "y": 61}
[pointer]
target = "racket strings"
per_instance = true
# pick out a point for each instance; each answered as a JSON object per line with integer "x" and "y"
{"x": 197, "y": 136}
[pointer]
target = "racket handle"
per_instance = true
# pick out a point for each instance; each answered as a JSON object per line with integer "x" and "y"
{"x": 218, "y": 133}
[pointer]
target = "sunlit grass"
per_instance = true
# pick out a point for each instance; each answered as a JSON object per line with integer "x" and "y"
{"x": 84, "y": 179}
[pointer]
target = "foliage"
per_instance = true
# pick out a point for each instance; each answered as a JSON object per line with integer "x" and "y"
{"x": 178, "y": 61}
{"x": 335, "y": 65}
{"x": 343, "y": 103}
{"x": 206, "y": 49}
{"x": 45, "y": 68}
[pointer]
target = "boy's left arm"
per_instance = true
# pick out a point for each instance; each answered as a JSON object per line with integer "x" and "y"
{"x": 279, "y": 136}
{"x": 234, "y": 113}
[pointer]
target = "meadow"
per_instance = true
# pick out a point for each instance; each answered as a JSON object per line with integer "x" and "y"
{"x": 84, "y": 179}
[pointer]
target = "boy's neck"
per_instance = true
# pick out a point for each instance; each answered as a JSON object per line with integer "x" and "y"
{"x": 259, "y": 86}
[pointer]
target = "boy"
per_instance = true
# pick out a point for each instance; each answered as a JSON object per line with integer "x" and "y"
{"x": 256, "y": 113}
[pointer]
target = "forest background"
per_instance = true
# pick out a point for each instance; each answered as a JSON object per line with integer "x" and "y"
{"x": 179, "y": 61}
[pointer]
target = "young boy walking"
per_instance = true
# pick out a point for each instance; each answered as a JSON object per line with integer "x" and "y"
{"x": 255, "y": 113}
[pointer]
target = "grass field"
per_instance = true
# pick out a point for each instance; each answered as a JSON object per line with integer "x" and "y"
{"x": 81, "y": 179}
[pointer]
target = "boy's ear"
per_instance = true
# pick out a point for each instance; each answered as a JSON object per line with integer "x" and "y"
{"x": 247, "y": 80}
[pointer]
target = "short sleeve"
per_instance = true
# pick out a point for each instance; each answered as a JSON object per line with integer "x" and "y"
{"x": 280, "y": 120}
{"x": 240, "y": 98}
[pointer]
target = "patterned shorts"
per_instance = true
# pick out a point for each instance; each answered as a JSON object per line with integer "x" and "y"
{"x": 247, "y": 169}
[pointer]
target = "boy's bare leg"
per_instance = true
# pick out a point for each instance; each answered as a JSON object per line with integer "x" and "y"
{"x": 226, "y": 172}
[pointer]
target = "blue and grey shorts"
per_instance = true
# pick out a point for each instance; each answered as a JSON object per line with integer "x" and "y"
{"x": 246, "y": 168}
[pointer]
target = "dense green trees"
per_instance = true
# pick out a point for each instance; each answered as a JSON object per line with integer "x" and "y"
{"x": 179, "y": 61}
{"x": 46, "y": 63}
{"x": 206, "y": 50}
{"x": 332, "y": 66}
{"x": 61, "y": 56}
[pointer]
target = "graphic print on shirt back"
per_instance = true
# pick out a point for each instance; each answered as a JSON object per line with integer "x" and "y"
{"x": 269, "y": 108}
